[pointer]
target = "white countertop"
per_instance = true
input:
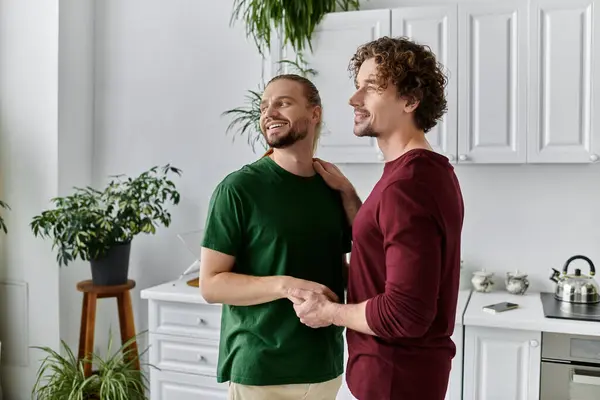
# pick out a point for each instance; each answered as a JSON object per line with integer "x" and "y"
{"x": 529, "y": 315}
{"x": 178, "y": 291}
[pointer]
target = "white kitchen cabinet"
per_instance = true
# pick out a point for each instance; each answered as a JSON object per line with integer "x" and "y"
{"x": 454, "y": 391}
{"x": 501, "y": 364}
{"x": 564, "y": 85}
{"x": 522, "y": 87}
{"x": 184, "y": 344}
{"x": 168, "y": 385}
{"x": 492, "y": 71}
{"x": 436, "y": 27}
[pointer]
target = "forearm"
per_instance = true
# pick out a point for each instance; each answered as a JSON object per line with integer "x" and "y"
{"x": 352, "y": 316}
{"x": 242, "y": 290}
{"x": 351, "y": 203}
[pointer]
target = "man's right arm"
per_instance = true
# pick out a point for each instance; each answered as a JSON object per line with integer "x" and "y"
{"x": 219, "y": 285}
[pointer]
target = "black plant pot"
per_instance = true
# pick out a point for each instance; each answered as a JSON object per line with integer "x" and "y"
{"x": 113, "y": 268}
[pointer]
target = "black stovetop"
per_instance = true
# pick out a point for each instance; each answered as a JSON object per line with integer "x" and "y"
{"x": 563, "y": 310}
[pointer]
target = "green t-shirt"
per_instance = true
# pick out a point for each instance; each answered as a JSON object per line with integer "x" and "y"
{"x": 278, "y": 223}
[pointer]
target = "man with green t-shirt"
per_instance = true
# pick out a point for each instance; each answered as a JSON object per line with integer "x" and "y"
{"x": 274, "y": 226}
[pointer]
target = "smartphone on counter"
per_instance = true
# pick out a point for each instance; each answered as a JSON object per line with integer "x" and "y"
{"x": 500, "y": 307}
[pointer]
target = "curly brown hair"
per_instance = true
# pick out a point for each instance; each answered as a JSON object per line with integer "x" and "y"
{"x": 413, "y": 69}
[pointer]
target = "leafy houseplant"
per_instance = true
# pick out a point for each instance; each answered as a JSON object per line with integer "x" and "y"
{"x": 2, "y": 223}
{"x": 296, "y": 19}
{"x": 116, "y": 378}
{"x": 98, "y": 226}
{"x": 246, "y": 119}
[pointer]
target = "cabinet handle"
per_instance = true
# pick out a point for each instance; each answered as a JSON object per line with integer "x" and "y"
{"x": 380, "y": 156}
{"x": 585, "y": 378}
{"x": 201, "y": 358}
{"x": 200, "y": 321}
{"x": 534, "y": 343}
{"x": 594, "y": 157}
{"x": 462, "y": 157}
{"x": 451, "y": 157}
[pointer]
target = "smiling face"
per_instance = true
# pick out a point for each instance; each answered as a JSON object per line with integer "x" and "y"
{"x": 377, "y": 110}
{"x": 400, "y": 87}
{"x": 286, "y": 115}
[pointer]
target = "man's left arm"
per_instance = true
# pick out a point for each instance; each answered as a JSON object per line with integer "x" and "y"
{"x": 412, "y": 245}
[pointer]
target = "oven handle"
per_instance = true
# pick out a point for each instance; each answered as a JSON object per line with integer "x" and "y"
{"x": 580, "y": 376}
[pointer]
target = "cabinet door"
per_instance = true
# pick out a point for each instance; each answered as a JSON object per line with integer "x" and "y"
{"x": 167, "y": 385}
{"x": 454, "y": 391}
{"x": 334, "y": 42}
{"x": 501, "y": 364}
{"x": 492, "y": 69}
{"x": 437, "y": 28}
{"x": 565, "y": 81}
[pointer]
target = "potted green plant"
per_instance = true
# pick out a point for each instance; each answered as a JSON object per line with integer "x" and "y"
{"x": 296, "y": 19}
{"x": 98, "y": 226}
{"x": 2, "y": 223}
{"x": 115, "y": 377}
{"x": 246, "y": 119}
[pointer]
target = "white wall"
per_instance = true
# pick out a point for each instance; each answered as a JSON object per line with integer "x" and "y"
{"x": 75, "y": 133}
{"x": 29, "y": 310}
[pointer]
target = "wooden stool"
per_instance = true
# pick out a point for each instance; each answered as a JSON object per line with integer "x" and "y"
{"x": 92, "y": 292}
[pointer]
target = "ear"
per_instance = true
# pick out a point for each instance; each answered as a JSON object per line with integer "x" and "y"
{"x": 411, "y": 105}
{"x": 317, "y": 114}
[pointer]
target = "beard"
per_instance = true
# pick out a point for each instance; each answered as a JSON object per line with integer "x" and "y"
{"x": 297, "y": 132}
{"x": 365, "y": 131}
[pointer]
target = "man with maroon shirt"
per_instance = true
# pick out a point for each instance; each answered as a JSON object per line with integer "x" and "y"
{"x": 404, "y": 268}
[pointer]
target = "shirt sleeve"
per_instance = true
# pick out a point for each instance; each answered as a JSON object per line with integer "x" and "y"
{"x": 223, "y": 231}
{"x": 412, "y": 245}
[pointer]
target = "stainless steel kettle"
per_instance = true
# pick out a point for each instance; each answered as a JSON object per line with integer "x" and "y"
{"x": 576, "y": 288}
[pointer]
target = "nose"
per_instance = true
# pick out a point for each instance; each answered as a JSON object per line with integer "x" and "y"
{"x": 356, "y": 99}
{"x": 270, "y": 112}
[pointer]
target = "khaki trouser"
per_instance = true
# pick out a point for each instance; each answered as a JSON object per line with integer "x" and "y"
{"x": 315, "y": 391}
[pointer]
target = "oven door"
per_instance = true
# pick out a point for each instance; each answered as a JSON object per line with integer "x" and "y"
{"x": 564, "y": 381}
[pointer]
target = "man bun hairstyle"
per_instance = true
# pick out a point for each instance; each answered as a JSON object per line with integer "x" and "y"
{"x": 414, "y": 71}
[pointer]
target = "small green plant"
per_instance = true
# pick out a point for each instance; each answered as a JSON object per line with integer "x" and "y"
{"x": 296, "y": 19}
{"x": 2, "y": 223}
{"x": 89, "y": 222}
{"x": 116, "y": 376}
{"x": 246, "y": 119}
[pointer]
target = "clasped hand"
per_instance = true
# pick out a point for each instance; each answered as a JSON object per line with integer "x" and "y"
{"x": 314, "y": 309}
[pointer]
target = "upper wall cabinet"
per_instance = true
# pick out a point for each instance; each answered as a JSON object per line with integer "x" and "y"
{"x": 492, "y": 76}
{"x": 564, "y": 85}
{"x": 436, "y": 27}
{"x": 521, "y": 87}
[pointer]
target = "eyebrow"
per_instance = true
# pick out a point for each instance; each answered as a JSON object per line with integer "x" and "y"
{"x": 367, "y": 81}
{"x": 277, "y": 98}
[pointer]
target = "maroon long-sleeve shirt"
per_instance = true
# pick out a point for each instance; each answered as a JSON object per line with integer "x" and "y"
{"x": 406, "y": 262}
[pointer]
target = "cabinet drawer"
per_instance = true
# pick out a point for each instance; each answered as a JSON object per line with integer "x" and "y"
{"x": 167, "y": 385}
{"x": 184, "y": 354}
{"x": 184, "y": 319}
